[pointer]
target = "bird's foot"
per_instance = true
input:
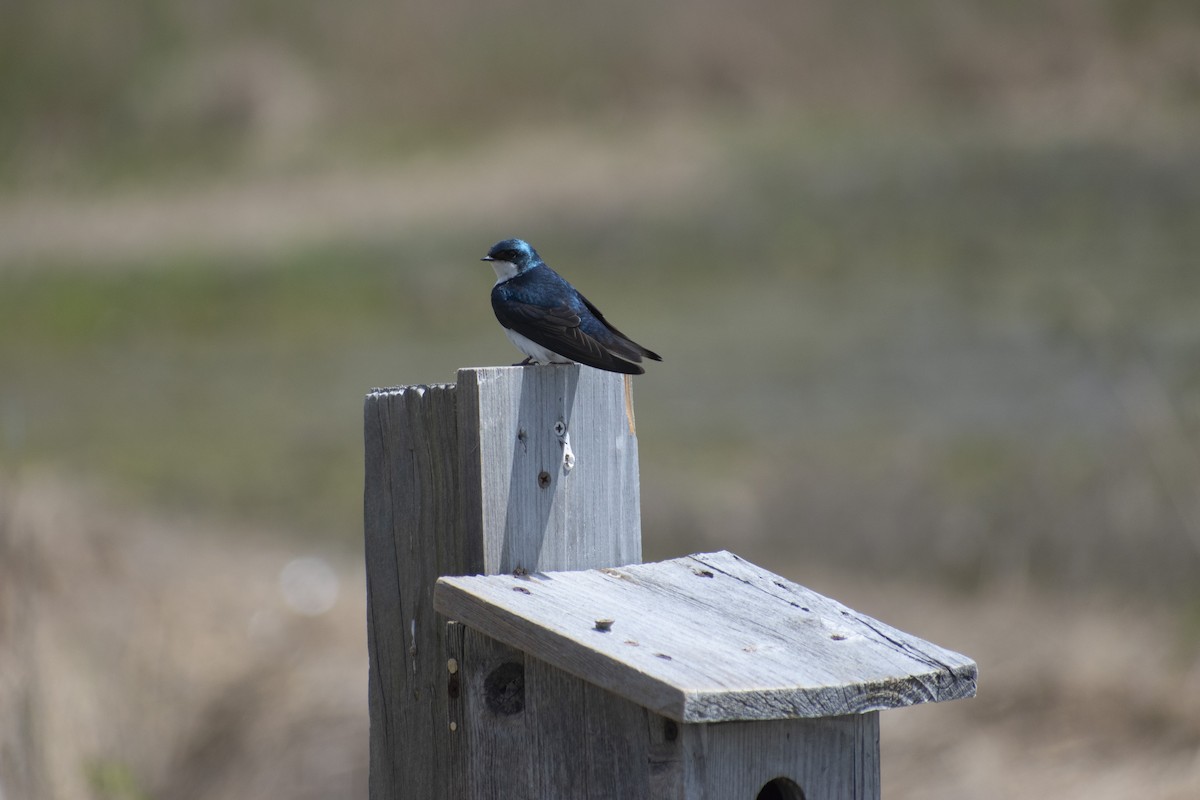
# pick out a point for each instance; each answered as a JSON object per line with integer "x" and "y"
{"x": 527, "y": 362}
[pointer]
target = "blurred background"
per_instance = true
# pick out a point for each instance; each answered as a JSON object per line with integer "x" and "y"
{"x": 925, "y": 277}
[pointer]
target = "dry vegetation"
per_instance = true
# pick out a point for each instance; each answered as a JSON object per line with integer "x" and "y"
{"x": 144, "y": 658}
{"x": 149, "y": 658}
{"x": 961, "y": 317}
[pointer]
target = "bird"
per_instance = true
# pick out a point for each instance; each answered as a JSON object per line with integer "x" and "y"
{"x": 550, "y": 321}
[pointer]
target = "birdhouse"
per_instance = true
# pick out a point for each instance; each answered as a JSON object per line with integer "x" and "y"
{"x": 698, "y": 677}
{"x": 566, "y": 669}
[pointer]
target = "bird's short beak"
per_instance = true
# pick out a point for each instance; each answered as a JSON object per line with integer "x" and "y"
{"x": 487, "y": 258}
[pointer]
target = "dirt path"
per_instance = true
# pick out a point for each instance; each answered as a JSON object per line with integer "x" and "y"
{"x": 506, "y": 182}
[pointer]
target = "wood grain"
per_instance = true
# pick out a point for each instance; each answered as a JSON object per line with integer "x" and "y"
{"x": 826, "y": 757}
{"x": 412, "y": 530}
{"x": 529, "y": 509}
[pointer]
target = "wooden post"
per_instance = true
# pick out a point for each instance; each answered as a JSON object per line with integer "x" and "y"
{"x": 512, "y": 469}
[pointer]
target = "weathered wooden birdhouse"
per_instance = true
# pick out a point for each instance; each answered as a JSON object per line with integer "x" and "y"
{"x": 567, "y": 669}
{"x": 699, "y": 677}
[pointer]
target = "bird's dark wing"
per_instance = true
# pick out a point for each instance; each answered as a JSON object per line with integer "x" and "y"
{"x": 557, "y": 328}
{"x": 618, "y": 343}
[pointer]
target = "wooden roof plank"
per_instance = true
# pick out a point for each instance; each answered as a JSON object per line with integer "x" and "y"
{"x": 708, "y": 638}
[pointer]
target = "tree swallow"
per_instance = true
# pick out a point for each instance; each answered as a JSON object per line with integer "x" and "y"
{"x": 549, "y": 321}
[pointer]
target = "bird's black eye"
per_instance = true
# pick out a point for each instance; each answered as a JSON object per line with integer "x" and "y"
{"x": 507, "y": 255}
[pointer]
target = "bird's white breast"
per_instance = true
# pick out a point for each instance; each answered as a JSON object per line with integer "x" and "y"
{"x": 535, "y": 350}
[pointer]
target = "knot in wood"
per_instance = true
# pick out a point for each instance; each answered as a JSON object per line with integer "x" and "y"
{"x": 504, "y": 689}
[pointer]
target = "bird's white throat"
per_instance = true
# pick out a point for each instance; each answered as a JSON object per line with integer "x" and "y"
{"x": 504, "y": 270}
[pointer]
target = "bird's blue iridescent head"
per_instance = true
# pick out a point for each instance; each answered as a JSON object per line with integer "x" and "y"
{"x": 513, "y": 251}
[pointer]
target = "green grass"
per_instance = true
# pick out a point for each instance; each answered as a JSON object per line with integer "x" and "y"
{"x": 219, "y": 388}
{"x": 907, "y": 355}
